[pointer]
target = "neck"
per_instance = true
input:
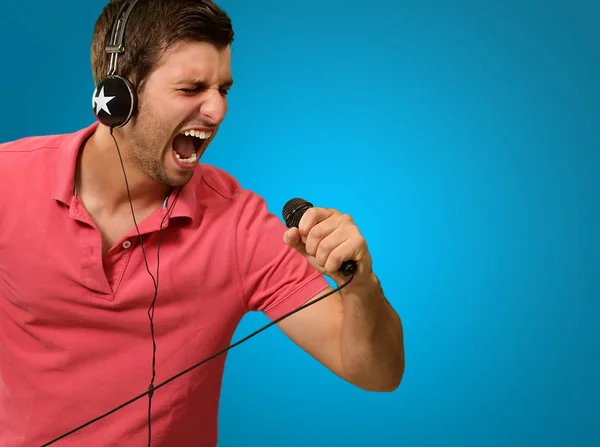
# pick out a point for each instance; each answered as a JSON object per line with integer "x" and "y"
{"x": 99, "y": 175}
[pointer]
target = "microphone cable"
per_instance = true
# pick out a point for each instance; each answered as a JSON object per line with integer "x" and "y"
{"x": 152, "y": 388}
{"x": 136, "y": 398}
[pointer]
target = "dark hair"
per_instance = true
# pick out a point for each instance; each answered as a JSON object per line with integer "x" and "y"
{"x": 153, "y": 27}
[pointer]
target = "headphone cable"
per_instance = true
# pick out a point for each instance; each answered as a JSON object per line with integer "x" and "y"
{"x": 150, "y": 391}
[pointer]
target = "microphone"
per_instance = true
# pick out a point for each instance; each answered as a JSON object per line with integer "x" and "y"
{"x": 293, "y": 211}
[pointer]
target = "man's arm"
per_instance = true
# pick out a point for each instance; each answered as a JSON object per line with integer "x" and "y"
{"x": 355, "y": 332}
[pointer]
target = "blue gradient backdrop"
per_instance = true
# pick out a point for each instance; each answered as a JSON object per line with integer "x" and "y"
{"x": 463, "y": 137}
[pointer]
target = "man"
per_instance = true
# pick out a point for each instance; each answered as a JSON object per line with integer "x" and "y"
{"x": 91, "y": 221}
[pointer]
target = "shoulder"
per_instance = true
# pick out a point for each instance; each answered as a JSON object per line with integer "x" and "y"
{"x": 228, "y": 187}
{"x": 28, "y": 157}
{"x": 36, "y": 155}
{"x": 28, "y": 145}
{"x": 29, "y": 166}
{"x": 249, "y": 207}
{"x": 25, "y": 155}
{"x": 221, "y": 182}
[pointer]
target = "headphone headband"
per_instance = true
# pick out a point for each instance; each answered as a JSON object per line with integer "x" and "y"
{"x": 115, "y": 46}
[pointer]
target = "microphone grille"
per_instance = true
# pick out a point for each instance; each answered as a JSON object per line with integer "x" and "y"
{"x": 293, "y": 211}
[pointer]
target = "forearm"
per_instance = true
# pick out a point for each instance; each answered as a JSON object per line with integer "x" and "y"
{"x": 372, "y": 338}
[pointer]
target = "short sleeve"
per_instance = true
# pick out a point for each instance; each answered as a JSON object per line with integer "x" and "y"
{"x": 274, "y": 277}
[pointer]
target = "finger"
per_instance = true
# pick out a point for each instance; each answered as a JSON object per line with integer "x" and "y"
{"x": 319, "y": 232}
{"x": 329, "y": 244}
{"x": 339, "y": 255}
{"x": 311, "y": 217}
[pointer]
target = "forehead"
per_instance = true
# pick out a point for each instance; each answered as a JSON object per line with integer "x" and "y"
{"x": 197, "y": 60}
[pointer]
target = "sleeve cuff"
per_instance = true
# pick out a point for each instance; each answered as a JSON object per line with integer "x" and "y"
{"x": 307, "y": 290}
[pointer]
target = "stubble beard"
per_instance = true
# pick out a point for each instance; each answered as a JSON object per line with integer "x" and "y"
{"x": 149, "y": 149}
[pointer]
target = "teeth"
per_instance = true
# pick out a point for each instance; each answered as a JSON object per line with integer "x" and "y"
{"x": 190, "y": 160}
{"x": 198, "y": 134}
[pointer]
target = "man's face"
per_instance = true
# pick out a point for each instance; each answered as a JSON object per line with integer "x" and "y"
{"x": 186, "y": 92}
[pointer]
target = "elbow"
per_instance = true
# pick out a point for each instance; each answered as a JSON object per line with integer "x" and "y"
{"x": 395, "y": 380}
{"x": 378, "y": 366}
{"x": 382, "y": 385}
{"x": 383, "y": 378}
{"x": 394, "y": 377}
{"x": 394, "y": 369}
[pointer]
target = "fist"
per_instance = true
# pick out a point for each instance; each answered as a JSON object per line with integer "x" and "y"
{"x": 328, "y": 238}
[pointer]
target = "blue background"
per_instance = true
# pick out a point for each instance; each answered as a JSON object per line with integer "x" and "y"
{"x": 464, "y": 139}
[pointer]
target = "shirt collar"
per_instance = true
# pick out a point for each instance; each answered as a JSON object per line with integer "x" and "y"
{"x": 64, "y": 177}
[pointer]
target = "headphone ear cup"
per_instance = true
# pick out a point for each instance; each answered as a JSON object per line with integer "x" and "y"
{"x": 114, "y": 101}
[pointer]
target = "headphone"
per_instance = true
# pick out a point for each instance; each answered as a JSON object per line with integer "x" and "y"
{"x": 115, "y": 100}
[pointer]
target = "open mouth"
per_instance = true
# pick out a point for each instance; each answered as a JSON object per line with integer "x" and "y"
{"x": 188, "y": 145}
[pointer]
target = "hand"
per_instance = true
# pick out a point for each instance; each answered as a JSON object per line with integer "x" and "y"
{"x": 328, "y": 238}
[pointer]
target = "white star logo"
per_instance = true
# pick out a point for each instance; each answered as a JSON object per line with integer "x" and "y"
{"x": 102, "y": 101}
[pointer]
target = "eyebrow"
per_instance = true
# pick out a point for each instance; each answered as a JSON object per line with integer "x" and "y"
{"x": 204, "y": 84}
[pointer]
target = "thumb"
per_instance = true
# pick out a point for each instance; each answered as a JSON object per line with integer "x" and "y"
{"x": 292, "y": 238}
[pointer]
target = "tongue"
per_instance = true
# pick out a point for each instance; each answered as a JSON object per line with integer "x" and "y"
{"x": 184, "y": 146}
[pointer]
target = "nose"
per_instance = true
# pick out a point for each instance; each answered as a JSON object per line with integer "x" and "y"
{"x": 213, "y": 106}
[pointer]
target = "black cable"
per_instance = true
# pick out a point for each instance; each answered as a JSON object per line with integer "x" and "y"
{"x": 154, "y": 280}
{"x": 152, "y": 388}
{"x": 203, "y": 361}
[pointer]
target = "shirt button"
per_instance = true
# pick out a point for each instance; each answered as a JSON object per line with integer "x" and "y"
{"x": 126, "y": 245}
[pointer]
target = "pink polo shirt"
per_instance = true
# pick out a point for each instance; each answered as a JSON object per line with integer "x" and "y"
{"x": 74, "y": 330}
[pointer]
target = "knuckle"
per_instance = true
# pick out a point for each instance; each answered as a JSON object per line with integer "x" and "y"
{"x": 335, "y": 258}
{"x": 309, "y": 218}
{"x": 321, "y": 259}
{"x": 326, "y": 245}
{"x": 316, "y": 232}
{"x": 332, "y": 264}
{"x": 347, "y": 218}
{"x": 311, "y": 212}
{"x": 304, "y": 225}
{"x": 360, "y": 240}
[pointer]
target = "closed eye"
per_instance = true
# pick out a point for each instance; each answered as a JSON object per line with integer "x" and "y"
{"x": 192, "y": 91}
{"x": 189, "y": 91}
{"x": 193, "y": 87}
